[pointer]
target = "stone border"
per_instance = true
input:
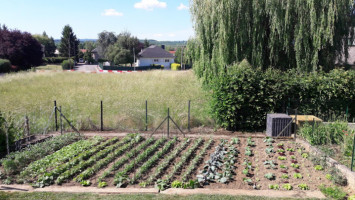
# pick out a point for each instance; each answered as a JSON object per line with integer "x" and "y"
{"x": 171, "y": 191}
{"x": 331, "y": 162}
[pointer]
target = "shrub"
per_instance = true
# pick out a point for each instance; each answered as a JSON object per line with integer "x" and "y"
{"x": 55, "y": 60}
{"x": 333, "y": 192}
{"x": 5, "y": 66}
{"x": 6, "y": 126}
{"x": 68, "y": 64}
{"x": 243, "y": 95}
{"x": 175, "y": 66}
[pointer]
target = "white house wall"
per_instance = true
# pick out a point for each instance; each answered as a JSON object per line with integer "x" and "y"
{"x": 150, "y": 61}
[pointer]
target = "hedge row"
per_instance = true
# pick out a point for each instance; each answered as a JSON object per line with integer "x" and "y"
{"x": 55, "y": 60}
{"x": 5, "y": 66}
{"x": 243, "y": 95}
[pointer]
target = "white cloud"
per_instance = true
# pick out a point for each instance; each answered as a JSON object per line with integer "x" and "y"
{"x": 111, "y": 12}
{"x": 171, "y": 35}
{"x": 182, "y": 7}
{"x": 150, "y": 4}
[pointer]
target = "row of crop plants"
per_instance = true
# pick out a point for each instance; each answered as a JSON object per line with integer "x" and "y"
{"x": 80, "y": 162}
{"x": 15, "y": 162}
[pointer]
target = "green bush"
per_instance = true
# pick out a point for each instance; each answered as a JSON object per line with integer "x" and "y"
{"x": 333, "y": 192}
{"x": 68, "y": 64}
{"x": 5, "y": 66}
{"x": 175, "y": 66}
{"x": 242, "y": 95}
{"x": 55, "y": 60}
{"x": 6, "y": 126}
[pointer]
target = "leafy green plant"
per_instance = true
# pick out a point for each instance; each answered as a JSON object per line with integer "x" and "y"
{"x": 280, "y": 145}
{"x": 305, "y": 155}
{"x": 303, "y": 186}
{"x": 85, "y": 183}
{"x": 280, "y": 151}
{"x": 297, "y": 175}
{"x": 269, "y": 163}
{"x": 290, "y": 149}
{"x": 293, "y": 157}
{"x": 161, "y": 184}
{"x": 143, "y": 184}
{"x": 248, "y": 181}
{"x": 269, "y": 150}
{"x": 318, "y": 167}
{"x": 176, "y": 184}
{"x": 295, "y": 165}
{"x": 245, "y": 171}
{"x": 352, "y": 197}
{"x": 234, "y": 140}
{"x": 248, "y": 151}
{"x": 281, "y": 158}
{"x": 269, "y": 176}
{"x": 250, "y": 142}
{"x": 274, "y": 187}
{"x": 287, "y": 186}
{"x": 191, "y": 184}
{"x": 329, "y": 176}
{"x": 102, "y": 184}
{"x": 283, "y": 166}
{"x": 333, "y": 192}
{"x": 285, "y": 176}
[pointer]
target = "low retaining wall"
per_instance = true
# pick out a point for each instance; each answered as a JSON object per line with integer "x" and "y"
{"x": 331, "y": 162}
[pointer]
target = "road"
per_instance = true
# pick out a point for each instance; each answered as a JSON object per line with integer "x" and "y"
{"x": 85, "y": 68}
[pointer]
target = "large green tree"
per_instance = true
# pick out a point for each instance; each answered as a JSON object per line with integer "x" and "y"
{"x": 69, "y": 44}
{"x": 105, "y": 40}
{"x": 47, "y": 42}
{"x": 125, "y": 49}
{"x": 279, "y": 33}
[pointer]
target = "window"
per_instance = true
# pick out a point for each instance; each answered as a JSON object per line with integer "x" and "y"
{"x": 167, "y": 60}
{"x": 156, "y": 60}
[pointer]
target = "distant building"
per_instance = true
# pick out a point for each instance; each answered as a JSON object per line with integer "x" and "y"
{"x": 155, "y": 55}
{"x": 95, "y": 55}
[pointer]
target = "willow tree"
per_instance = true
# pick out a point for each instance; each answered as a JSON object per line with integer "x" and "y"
{"x": 279, "y": 33}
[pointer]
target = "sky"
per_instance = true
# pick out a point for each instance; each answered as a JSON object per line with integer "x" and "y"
{"x": 152, "y": 19}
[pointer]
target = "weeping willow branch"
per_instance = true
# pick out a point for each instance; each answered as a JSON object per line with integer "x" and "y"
{"x": 283, "y": 34}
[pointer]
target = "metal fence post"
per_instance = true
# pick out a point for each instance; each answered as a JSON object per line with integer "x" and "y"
{"x": 27, "y": 127}
{"x": 146, "y": 115}
{"x": 353, "y": 156}
{"x": 61, "y": 120}
{"x": 168, "y": 121}
{"x": 55, "y": 115}
{"x": 188, "y": 117}
{"x": 102, "y": 116}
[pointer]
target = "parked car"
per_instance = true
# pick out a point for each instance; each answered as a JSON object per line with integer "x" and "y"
{"x": 81, "y": 60}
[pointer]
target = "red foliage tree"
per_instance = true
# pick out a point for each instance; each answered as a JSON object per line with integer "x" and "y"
{"x": 20, "y": 48}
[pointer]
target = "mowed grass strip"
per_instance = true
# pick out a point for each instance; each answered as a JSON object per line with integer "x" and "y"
{"x": 123, "y": 96}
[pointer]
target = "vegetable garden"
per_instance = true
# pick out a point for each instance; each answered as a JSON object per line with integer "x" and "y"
{"x": 137, "y": 161}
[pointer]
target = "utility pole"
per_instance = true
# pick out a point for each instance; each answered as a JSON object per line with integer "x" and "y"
{"x": 134, "y": 56}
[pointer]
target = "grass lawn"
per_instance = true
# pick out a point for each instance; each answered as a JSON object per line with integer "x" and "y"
{"x": 123, "y": 95}
{"x": 89, "y": 196}
{"x": 49, "y": 67}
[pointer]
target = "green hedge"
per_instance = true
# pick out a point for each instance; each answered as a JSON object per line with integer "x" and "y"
{"x": 55, "y": 60}
{"x": 5, "y": 66}
{"x": 243, "y": 95}
{"x": 68, "y": 64}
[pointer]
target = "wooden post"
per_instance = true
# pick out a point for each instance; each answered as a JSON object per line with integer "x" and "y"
{"x": 102, "y": 116}
{"x": 61, "y": 120}
{"x": 55, "y": 115}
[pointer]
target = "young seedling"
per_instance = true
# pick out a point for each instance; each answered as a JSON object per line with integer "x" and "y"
{"x": 295, "y": 165}
{"x": 248, "y": 152}
{"x": 329, "y": 176}
{"x": 318, "y": 167}
{"x": 269, "y": 150}
{"x": 248, "y": 181}
{"x": 290, "y": 149}
{"x": 297, "y": 175}
{"x": 245, "y": 171}
{"x": 269, "y": 176}
{"x": 234, "y": 141}
{"x": 274, "y": 187}
{"x": 283, "y": 166}
{"x": 305, "y": 155}
{"x": 176, "y": 184}
{"x": 250, "y": 142}
{"x": 293, "y": 157}
{"x": 85, "y": 183}
{"x": 287, "y": 186}
{"x": 102, "y": 184}
{"x": 280, "y": 145}
{"x": 281, "y": 151}
{"x": 281, "y": 158}
{"x": 284, "y": 176}
{"x": 303, "y": 186}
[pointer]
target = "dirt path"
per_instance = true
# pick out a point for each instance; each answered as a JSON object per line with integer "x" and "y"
{"x": 185, "y": 192}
